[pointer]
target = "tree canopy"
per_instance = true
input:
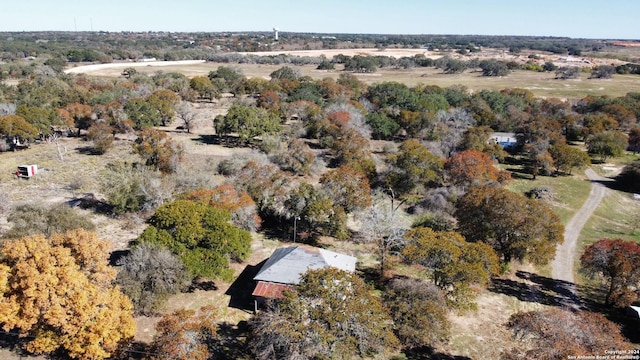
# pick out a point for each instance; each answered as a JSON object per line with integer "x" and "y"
{"x": 330, "y": 314}
{"x": 59, "y": 292}
{"x": 200, "y": 234}
{"x": 515, "y": 226}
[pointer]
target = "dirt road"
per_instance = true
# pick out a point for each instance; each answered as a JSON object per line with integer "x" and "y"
{"x": 562, "y": 266}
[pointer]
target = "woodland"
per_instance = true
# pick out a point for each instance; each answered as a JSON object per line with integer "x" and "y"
{"x": 409, "y": 179}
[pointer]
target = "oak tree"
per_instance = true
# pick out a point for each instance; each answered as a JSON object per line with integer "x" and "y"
{"x": 456, "y": 266}
{"x": 515, "y": 226}
{"x": 329, "y": 314}
{"x": 617, "y": 262}
{"x": 185, "y": 335}
{"x": 474, "y": 168}
{"x": 561, "y": 334}
{"x": 158, "y": 150}
{"x": 59, "y": 292}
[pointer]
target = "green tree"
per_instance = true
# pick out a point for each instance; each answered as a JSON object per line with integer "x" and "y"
{"x": 285, "y": 73}
{"x": 248, "y": 122}
{"x": 165, "y": 102}
{"x": 200, "y": 234}
{"x": 617, "y": 262}
{"x": 143, "y": 113}
{"x": 58, "y": 293}
{"x": 414, "y": 167}
{"x": 331, "y": 314}
{"x": 494, "y": 68}
{"x": 157, "y": 150}
{"x": 455, "y": 265}
{"x": 607, "y": 144}
{"x": 566, "y": 158}
{"x": 515, "y": 226}
{"x": 382, "y": 127}
{"x": 204, "y": 87}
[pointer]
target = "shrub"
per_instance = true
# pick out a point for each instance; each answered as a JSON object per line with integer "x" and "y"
{"x": 31, "y": 219}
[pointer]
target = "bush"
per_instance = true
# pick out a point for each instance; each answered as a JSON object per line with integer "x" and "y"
{"x": 148, "y": 275}
{"x": 31, "y": 219}
{"x": 101, "y": 135}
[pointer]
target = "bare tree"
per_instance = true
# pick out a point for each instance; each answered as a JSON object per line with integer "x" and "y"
{"x": 188, "y": 114}
{"x": 383, "y": 227}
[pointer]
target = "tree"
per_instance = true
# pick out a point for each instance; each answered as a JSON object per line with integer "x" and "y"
{"x": 494, "y": 68}
{"x": 226, "y": 197}
{"x": 419, "y": 312}
{"x": 629, "y": 177}
{"x": 59, "y": 293}
{"x": 455, "y": 266}
{"x": 143, "y": 113}
{"x": 382, "y": 127}
{"x": 607, "y": 144}
{"x": 82, "y": 115}
{"x": 248, "y": 122}
{"x": 516, "y": 227}
{"x": 562, "y": 334}
{"x": 149, "y": 275}
{"x": 204, "y": 87}
{"x": 101, "y": 134}
{"x": 347, "y": 188}
{"x": 603, "y": 72}
{"x": 330, "y": 314}
{"x": 185, "y": 335}
{"x": 285, "y": 73}
{"x": 618, "y": 263}
{"x": 200, "y": 234}
{"x": 381, "y": 226}
{"x": 474, "y": 168}
{"x": 165, "y": 102}
{"x": 566, "y": 158}
{"x": 414, "y": 167}
{"x": 31, "y": 220}
{"x": 157, "y": 150}
{"x": 568, "y": 72}
{"x": 187, "y": 114}
{"x": 634, "y": 140}
{"x": 14, "y": 126}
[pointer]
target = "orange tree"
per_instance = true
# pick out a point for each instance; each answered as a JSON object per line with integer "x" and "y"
{"x": 472, "y": 167}
{"x": 183, "y": 335}
{"x": 59, "y": 293}
{"x": 618, "y": 262}
{"x": 158, "y": 150}
{"x": 515, "y": 226}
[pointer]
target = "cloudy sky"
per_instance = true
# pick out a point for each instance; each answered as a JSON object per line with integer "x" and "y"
{"x": 611, "y": 19}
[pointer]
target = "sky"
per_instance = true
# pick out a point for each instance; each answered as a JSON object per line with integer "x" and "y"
{"x": 594, "y": 19}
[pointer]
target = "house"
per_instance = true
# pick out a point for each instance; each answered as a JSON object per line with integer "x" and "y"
{"x": 285, "y": 267}
{"x": 504, "y": 139}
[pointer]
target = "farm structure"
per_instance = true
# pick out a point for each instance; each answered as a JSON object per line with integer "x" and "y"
{"x": 504, "y": 139}
{"x": 285, "y": 267}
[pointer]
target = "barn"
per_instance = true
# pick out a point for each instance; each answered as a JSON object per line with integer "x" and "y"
{"x": 285, "y": 267}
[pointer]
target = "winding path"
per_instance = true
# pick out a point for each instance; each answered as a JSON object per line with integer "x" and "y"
{"x": 562, "y": 265}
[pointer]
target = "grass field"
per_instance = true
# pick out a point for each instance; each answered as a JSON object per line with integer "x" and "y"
{"x": 540, "y": 84}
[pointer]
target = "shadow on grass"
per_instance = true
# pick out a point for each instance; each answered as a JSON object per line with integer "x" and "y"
{"x": 545, "y": 291}
{"x": 427, "y": 352}
{"x": 241, "y": 289}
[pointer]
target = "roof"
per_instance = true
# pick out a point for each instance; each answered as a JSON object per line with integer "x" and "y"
{"x": 286, "y": 265}
{"x": 270, "y": 290}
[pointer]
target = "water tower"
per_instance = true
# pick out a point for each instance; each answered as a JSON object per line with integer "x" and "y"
{"x": 275, "y": 33}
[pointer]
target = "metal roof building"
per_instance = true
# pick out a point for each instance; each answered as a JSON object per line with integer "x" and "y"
{"x": 285, "y": 267}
